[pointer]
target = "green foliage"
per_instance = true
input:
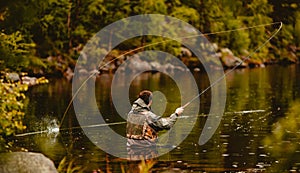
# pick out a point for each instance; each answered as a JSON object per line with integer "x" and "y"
{"x": 279, "y": 142}
{"x": 150, "y": 6}
{"x": 54, "y": 27}
{"x": 144, "y": 166}
{"x": 289, "y": 36}
{"x": 16, "y": 53}
{"x": 36, "y": 28}
{"x": 66, "y": 166}
{"x": 259, "y": 11}
{"x": 297, "y": 27}
{"x": 11, "y": 109}
{"x": 186, "y": 14}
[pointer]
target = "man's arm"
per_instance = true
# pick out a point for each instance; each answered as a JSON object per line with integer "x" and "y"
{"x": 158, "y": 123}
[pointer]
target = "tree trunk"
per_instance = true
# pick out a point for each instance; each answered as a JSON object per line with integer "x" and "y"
{"x": 69, "y": 24}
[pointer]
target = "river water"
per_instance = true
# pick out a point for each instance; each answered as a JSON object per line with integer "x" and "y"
{"x": 259, "y": 130}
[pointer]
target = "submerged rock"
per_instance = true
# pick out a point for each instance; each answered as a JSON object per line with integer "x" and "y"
{"x": 25, "y": 162}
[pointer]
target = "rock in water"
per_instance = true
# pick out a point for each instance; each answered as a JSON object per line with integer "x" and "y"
{"x": 28, "y": 162}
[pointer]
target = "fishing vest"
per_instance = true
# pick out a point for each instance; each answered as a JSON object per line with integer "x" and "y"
{"x": 137, "y": 125}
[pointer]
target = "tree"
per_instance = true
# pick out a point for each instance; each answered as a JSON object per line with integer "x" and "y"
{"x": 258, "y": 14}
{"x": 17, "y": 54}
{"x": 285, "y": 46}
{"x": 11, "y": 110}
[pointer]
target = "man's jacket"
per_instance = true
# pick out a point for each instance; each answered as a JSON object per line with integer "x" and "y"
{"x": 143, "y": 125}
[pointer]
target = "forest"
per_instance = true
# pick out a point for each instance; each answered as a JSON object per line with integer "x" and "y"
{"x": 45, "y": 37}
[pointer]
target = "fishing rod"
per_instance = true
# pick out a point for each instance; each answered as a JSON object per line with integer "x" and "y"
{"x": 57, "y": 129}
{"x": 156, "y": 43}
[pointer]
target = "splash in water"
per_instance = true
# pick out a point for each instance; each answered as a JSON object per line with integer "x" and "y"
{"x": 45, "y": 126}
{"x": 53, "y": 127}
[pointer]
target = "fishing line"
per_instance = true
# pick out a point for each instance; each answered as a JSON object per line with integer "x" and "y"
{"x": 56, "y": 130}
{"x": 156, "y": 43}
{"x": 95, "y": 125}
{"x": 152, "y": 44}
{"x": 31, "y": 133}
{"x": 231, "y": 70}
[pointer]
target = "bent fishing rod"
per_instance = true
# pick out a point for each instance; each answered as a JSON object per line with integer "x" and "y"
{"x": 232, "y": 69}
{"x": 191, "y": 36}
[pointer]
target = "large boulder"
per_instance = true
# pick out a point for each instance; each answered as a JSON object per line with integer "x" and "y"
{"x": 156, "y": 65}
{"x": 168, "y": 67}
{"x": 25, "y": 162}
{"x": 229, "y": 60}
{"x": 135, "y": 64}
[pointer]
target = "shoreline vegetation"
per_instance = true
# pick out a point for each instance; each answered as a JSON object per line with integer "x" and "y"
{"x": 46, "y": 38}
{"x": 62, "y": 66}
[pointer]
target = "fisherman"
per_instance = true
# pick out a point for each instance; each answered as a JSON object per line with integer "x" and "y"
{"x": 143, "y": 125}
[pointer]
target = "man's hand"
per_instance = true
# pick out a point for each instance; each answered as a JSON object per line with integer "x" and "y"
{"x": 179, "y": 111}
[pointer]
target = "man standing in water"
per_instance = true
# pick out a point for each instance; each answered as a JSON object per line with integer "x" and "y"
{"x": 143, "y": 125}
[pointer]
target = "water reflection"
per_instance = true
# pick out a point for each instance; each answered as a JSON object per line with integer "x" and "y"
{"x": 241, "y": 143}
{"x": 283, "y": 143}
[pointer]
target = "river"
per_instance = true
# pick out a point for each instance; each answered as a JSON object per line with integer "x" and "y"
{"x": 259, "y": 103}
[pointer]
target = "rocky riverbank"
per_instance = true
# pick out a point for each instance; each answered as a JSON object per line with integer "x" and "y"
{"x": 23, "y": 78}
{"x": 25, "y": 162}
{"x": 133, "y": 62}
{"x": 61, "y": 66}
